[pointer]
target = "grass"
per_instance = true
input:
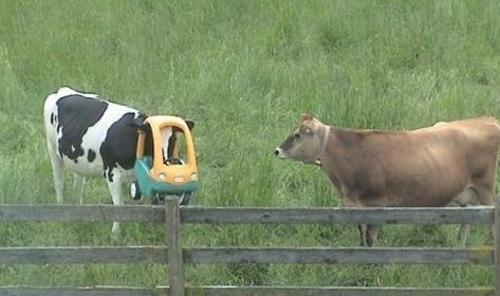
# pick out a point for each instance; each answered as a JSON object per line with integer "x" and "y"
{"x": 243, "y": 71}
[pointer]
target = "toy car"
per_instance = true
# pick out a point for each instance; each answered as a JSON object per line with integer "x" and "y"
{"x": 156, "y": 176}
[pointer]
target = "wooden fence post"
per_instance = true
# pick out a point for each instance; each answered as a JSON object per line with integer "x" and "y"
{"x": 174, "y": 246}
{"x": 496, "y": 235}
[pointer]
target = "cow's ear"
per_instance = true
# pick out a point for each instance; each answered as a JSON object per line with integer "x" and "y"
{"x": 139, "y": 124}
{"x": 190, "y": 124}
{"x": 306, "y": 117}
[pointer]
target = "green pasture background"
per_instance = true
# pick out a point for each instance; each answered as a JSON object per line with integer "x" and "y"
{"x": 243, "y": 71}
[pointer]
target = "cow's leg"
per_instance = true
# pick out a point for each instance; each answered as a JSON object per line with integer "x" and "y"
{"x": 372, "y": 234}
{"x": 57, "y": 172}
{"x": 368, "y": 234}
{"x": 465, "y": 198}
{"x": 115, "y": 185}
{"x": 363, "y": 234}
{"x": 486, "y": 197}
{"x": 463, "y": 233}
{"x": 78, "y": 185}
{"x": 362, "y": 228}
{"x": 473, "y": 196}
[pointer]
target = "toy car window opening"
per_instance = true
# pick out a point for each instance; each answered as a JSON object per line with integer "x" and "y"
{"x": 170, "y": 151}
{"x": 173, "y": 146}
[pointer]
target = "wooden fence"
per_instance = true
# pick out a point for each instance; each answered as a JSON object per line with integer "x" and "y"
{"x": 174, "y": 256}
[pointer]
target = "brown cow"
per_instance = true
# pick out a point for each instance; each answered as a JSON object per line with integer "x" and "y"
{"x": 451, "y": 162}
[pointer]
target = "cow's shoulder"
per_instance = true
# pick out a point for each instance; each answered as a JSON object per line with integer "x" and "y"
{"x": 119, "y": 146}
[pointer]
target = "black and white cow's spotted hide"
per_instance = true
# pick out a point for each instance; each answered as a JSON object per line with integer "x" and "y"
{"x": 93, "y": 137}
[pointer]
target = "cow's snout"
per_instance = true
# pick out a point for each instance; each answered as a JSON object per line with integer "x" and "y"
{"x": 279, "y": 152}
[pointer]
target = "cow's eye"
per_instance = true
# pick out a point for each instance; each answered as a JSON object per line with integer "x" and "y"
{"x": 296, "y": 136}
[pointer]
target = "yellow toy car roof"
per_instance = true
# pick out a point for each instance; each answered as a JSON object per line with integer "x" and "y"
{"x": 173, "y": 173}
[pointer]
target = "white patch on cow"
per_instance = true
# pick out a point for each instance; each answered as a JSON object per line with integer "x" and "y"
{"x": 66, "y": 91}
{"x": 166, "y": 133}
{"x": 78, "y": 187}
{"x": 50, "y": 111}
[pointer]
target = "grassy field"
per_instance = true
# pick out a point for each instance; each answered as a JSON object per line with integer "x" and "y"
{"x": 243, "y": 71}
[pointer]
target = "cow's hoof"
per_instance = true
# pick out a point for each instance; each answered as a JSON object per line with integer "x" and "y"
{"x": 134, "y": 191}
{"x": 159, "y": 199}
{"x": 186, "y": 198}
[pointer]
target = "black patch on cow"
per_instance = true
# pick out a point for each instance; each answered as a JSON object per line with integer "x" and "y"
{"x": 90, "y": 155}
{"x": 290, "y": 141}
{"x": 51, "y": 118}
{"x": 172, "y": 141}
{"x": 119, "y": 146}
{"x": 76, "y": 114}
{"x": 148, "y": 142}
{"x": 110, "y": 174}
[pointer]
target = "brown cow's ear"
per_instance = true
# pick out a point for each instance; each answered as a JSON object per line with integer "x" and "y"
{"x": 306, "y": 117}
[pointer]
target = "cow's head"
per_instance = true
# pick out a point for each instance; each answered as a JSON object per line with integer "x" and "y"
{"x": 306, "y": 143}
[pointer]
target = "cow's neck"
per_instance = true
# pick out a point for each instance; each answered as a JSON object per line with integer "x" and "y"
{"x": 324, "y": 136}
{"x": 335, "y": 156}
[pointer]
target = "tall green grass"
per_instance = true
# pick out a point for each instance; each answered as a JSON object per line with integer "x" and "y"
{"x": 243, "y": 71}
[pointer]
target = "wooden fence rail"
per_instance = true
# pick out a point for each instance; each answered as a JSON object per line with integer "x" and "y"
{"x": 194, "y": 215}
{"x": 243, "y": 291}
{"x": 175, "y": 257}
{"x": 155, "y": 254}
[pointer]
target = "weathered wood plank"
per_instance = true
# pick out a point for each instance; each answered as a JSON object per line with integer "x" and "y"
{"x": 70, "y": 213}
{"x": 244, "y": 291}
{"x": 173, "y": 240}
{"x": 149, "y": 254}
{"x": 83, "y": 255}
{"x": 336, "y": 291}
{"x": 194, "y": 215}
{"x": 81, "y": 291}
{"x": 482, "y": 256}
{"x": 473, "y": 215}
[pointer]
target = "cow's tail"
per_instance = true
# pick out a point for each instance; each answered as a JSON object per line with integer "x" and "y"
{"x": 51, "y": 120}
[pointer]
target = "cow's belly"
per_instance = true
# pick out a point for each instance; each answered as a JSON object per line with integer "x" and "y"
{"x": 85, "y": 168}
{"x": 429, "y": 191}
{"x": 95, "y": 169}
{"x": 410, "y": 188}
{"x": 431, "y": 178}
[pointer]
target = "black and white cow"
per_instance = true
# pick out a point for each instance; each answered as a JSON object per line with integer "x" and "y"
{"x": 93, "y": 137}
